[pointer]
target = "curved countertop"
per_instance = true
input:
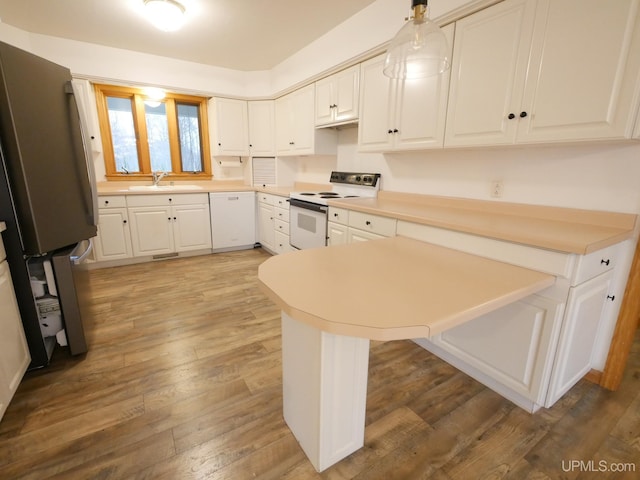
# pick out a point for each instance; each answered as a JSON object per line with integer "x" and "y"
{"x": 393, "y": 288}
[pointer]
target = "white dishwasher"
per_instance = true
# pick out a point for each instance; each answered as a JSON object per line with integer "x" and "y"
{"x": 233, "y": 220}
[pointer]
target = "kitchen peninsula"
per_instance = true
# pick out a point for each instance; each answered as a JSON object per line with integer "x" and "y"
{"x": 505, "y": 313}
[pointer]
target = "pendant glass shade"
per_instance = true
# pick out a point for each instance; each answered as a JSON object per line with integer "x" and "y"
{"x": 166, "y": 15}
{"x": 420, "y": 49}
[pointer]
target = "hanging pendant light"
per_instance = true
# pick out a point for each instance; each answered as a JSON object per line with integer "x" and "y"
{"x": 419, "y": 49}
{"x": 166, "y": 15}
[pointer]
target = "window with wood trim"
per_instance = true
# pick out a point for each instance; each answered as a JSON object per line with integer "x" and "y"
{"x": 141, "y": 135}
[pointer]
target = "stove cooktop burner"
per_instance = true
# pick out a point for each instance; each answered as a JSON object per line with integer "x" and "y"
{"x": 311, "y": 194}
{"x": 329, "y": 193}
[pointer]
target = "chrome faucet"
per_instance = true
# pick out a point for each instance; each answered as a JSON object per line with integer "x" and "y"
{"x": 157, "y": 176}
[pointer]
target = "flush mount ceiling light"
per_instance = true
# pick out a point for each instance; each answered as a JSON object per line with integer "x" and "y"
{"x": 419, "y": 49}
{"x": 167, "y": 15}
{"x": 154, "y": 96}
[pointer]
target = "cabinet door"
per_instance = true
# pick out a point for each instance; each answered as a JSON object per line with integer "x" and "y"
{"x": 513, "y": 345}
{"x": 337, "y": 234}
{"x": 14, "y": 352}
{"x": 151, "y": 230}
{"x": 266, "y": 225}
{"x": 114, "y": 238}
{"x": 230, "y": 127}
{"x": 421, "y": 109}
{"x": 325, "y": 101}
{"x": 583, "y": 70}
{"x": 262, "y": 128}
{"x": 355, "y": 235}
{"x": 347, "y": 91}
{"x": 284, "y": 134}
{"x": 579, "y": 330}
{"x": 191, "y": 227}
{"x": 490, "y": 58}
{"x": 374, "y": 128}
{"x": 302, "y": 109}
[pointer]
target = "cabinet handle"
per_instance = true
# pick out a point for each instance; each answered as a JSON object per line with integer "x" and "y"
{"x": 611, "y": 297}
{"x": 367, "y": 222}
{"x": 604, "y": 262}
{"x": 511, "y": 116}
{"x": 523, "y": 114}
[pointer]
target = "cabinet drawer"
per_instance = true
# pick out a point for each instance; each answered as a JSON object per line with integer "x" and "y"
{"x": 281, "y": 202}
{"x": 112, "y": 201}
{"x": 373, "y": 223}
{"x": 282, "y": 227}
{"x": 593, "y": 264}
{"x": 266, "y": 198}
{"x": 167, "y": 199}
{"x": 281, "y": 214}
{"x": 339, "y": 215}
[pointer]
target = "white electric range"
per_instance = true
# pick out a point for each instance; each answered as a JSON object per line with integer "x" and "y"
{"x": 308, "y": 210}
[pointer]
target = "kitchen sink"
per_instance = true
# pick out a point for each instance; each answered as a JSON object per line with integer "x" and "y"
{"x": 163, "y": 188}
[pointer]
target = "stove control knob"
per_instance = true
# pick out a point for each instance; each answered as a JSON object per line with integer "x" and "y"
{"x": 358, "y": 179}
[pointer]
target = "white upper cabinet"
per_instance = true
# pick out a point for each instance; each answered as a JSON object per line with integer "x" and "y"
{"x": 262, "y": 128}
{"x": 295, "y": 126}
{"x": 337, "y": 97}
{"x": 401, "y": 114}
{"x": 540, "y": 71}
{"x": 229, "y": 125}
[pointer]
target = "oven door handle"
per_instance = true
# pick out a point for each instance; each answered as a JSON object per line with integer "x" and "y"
{"x": 307, "y": 205}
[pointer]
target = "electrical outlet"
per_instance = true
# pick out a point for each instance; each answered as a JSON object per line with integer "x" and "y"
{"x": 497, "y": 188}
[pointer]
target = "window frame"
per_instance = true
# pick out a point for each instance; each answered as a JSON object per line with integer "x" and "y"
{"x": 138, "y": 98}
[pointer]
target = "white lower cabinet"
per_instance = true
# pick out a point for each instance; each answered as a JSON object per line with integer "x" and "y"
{"x": 348, "y": 226}
{"x": 535, "y": 350}
{"x": 273, "y": 223}
{"x": 587, "y": 304}
{"x": 164, "y": 224}
{"x": 14, "y": 352}
{"x": 113, "y": 241}
{"x": 507, "y": 349}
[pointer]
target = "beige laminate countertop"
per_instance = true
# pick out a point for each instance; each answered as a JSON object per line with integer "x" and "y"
{"x": 393, "y": 288}
{"x": 212, "y": 186}
{"x": 562, "y": 229}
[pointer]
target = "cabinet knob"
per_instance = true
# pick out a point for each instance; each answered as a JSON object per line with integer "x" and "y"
{"x": 523, "y": 114}
{"x": 367, "y": 222}
{"x": 604, "y": 262}
{"x": 171, "y": 199}
{"x": 124, "y": 221}
{"x": 511, "y": 116}
{"x": 106, "y": 202}
{"x": 335, "y": 214}
{"x": 611, "y": 297}
{"x": 395, "y": 130}
{"x": 169, "y": 218}
{"x": 389, "y": 131}
{"x": 219, "y": 144}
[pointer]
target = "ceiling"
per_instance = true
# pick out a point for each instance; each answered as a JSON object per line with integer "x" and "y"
{"x": 244, "y": 35}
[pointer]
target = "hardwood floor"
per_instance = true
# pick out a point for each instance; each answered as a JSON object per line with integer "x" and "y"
{"x": 183, "y": 381}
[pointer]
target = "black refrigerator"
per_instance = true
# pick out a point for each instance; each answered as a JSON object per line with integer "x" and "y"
{"x": 47, "y": 199}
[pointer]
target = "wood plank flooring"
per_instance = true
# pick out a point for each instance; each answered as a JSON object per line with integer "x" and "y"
{"x": 183, "y": 381}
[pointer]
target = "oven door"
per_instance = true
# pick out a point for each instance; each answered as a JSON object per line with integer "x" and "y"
{"x": 307, "y": 224}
